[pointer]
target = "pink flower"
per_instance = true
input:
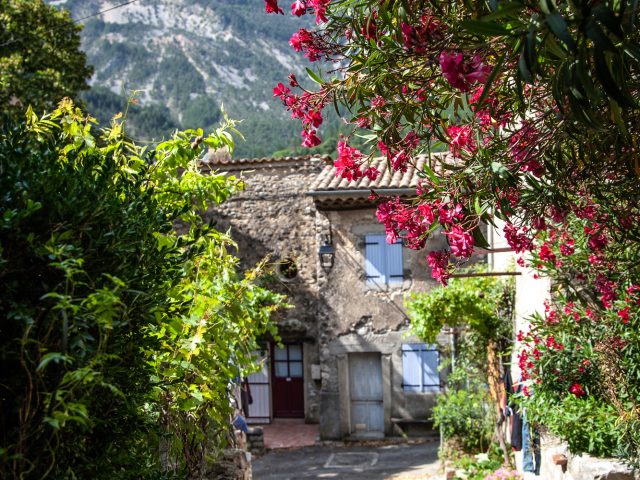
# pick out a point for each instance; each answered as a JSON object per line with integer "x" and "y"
{"x": 461, "y": 73}
{"x": 363, "y": 122}
{"x": 568, "y": 247}
{"x": 524, "y": 148}
{"x": 305, "y": 40}
{"x": 418, "y": 37}
{"x": 446, "y": 214}
{"x": 439, "y": 262}
{"x": 461, "y": 242}
{"x": 461, "y": 139}
{"x": 313, "y": 117}
{"x": 624, "y": 314}
{"x": 281, "y": 91}
{"x": 577, "y": 390}
{"x": 297, "y": 40}
{"x": 298, "y": 8}
{"x": 518, "y": 240}
{"x": 320, "y": 7}
{"x": 310, "y": 139}
{"x": 271, "y": 6}
{"x": 348, "y": 162}
{"x": 546, "y": 254}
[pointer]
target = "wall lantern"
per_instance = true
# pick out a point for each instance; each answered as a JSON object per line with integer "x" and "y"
{"x": 326, "y": 253}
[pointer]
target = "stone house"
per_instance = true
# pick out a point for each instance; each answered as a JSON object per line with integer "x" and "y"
{"x": 346, "y": 360}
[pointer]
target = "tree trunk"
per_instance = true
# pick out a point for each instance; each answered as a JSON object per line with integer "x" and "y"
{"x": 497, "y": 393}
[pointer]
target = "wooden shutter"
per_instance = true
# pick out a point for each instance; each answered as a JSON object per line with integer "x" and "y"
{"x": 411, "y": 367}
{"x": 375, "y": 264}
{"x": 430, "y": 374}
{"x": 395, "y": 272}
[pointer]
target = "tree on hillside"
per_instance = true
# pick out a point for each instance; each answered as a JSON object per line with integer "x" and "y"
{"x": 40, "y": 57}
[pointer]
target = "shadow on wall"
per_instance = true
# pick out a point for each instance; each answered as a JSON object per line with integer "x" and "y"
{"x": 296, "y": 280}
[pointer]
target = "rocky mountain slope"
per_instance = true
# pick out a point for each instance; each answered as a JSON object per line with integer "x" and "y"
{"x": 188, "y": 57}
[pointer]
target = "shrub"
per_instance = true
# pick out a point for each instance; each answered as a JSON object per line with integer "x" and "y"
{"x": 465, "y": 415}
{"x": 123, "y": 318}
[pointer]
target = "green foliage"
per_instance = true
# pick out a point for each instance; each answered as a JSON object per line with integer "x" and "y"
{"x": 587, "y": 424}
{"x": 474, "y": 301}
{"x": 124, "y": 320}
{"x": 580, "y": 358}
{"x": 481, "y": 466}
{"x": 465, "y": 415}
{"x": 149, "y": 122}
{"x": 40, "y": 57}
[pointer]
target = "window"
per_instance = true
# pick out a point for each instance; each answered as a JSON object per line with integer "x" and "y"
{"x": 287, "y": 361}
{"x": 420, "y": 368}
{"x": 383, "y": 262}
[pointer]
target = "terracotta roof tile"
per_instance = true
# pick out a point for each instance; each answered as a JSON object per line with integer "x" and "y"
{"x": 217, "y": 160}
{"x": 327, "y": 181}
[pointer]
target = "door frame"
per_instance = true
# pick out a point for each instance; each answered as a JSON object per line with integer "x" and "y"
{"x": 274, "y": 379}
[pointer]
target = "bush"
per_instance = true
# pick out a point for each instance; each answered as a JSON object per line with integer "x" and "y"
{"x": 465, "y": 415}
{"x": 120, "y": 332}
{"x": 481, "y": 466}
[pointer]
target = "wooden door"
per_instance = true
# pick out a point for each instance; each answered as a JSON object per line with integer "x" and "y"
{"x": 288, "y": 381}
{"x": 365, "y": 385}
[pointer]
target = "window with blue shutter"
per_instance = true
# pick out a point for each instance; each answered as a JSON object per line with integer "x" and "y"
{"x": 420, "y": 368}
{"x": 383, "y": 262}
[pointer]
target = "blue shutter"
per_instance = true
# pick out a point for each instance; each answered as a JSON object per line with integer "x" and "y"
{"x": 430, "y": 374}
{"x": 375, "y": 264}
{"x": 411, "y": 368}
{"x": 394, "y": 262}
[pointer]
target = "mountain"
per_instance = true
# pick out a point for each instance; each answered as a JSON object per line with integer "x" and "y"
{"x": 186, "y": 58}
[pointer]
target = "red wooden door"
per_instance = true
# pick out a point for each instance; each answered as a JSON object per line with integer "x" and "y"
{"x": 288, "y": 382}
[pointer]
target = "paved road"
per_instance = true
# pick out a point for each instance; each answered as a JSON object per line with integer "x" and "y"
{"x": 396, "y": 461}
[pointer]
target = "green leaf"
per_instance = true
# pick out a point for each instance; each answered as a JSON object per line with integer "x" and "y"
{"x": 609, "y": 19}
{"x": 558, "y": 26}
{"x": 492, "y": 76}
{"x": 484, "y": 28}
{"x": 608, "y": 82}
{"x": 314, "y": 76}
{"x": 595, "y": 33}
{"x": 55, "y": 357}
{"x": 479, "y": 239}
{"x": 505, "y": 9}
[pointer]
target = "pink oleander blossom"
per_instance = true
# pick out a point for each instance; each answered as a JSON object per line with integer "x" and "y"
{"x": 462, "y": 139}
{"x": 546, "y": 254}
{"x": 577, "y": 390}
{"x": 447, "y": 213}
{"x": 517, "y": 238}
{"x": 271, "y": 6}
{"x": 348, "y": 163}
{"x": 461, "y": 241}
{"x": 310, "y": 139}
{"x": 298, "y": 8}
{"x": 320, "y": 8}
{"x": 439, "y": 263}
{"x": 462, "y": 73}
{"x": 281, "y": 91}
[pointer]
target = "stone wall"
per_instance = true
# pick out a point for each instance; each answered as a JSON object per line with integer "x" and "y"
{"x": 335, "y": 311}
{"x": 273, "y": 217}
{"x": 356, "y": 317}
{"x": 583, "y": 467}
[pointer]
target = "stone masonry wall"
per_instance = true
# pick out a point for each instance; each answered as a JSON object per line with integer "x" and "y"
{"x": 356, "y": 317}
{"x": 273, "y": 217}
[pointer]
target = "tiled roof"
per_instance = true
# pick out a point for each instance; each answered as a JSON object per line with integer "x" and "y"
{"x": 223, "y": 161}
{"x": 327, "y": 182}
